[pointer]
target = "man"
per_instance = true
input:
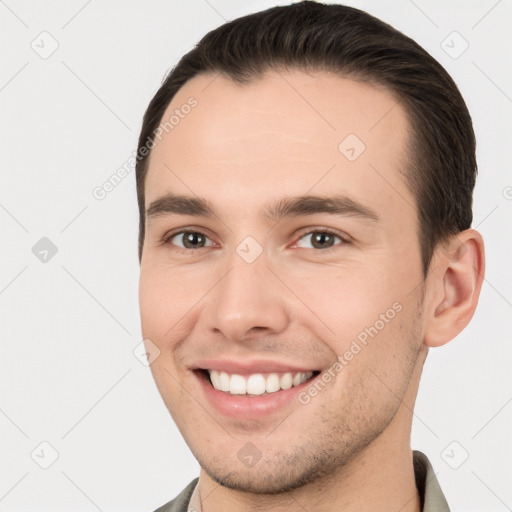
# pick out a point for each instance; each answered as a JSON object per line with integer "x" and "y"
{"x": 305, "y": 180}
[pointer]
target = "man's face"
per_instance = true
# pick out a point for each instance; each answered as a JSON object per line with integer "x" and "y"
{"x": 245, "y": 293}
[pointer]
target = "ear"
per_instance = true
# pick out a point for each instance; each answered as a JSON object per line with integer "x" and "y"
{"x": 454, "y": 286}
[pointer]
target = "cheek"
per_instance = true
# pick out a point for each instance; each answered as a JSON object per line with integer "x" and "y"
{"x": 375, "y": 374}
{"x": 344, "y": 301}
{"x": 166, "y": 299}
{"x": 366, "y": 321}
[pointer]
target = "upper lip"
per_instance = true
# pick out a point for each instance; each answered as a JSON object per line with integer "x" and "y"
{"x": 241, "y": 367}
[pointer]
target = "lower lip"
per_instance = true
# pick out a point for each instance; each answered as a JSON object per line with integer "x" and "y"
{"x": 250, "y": 407}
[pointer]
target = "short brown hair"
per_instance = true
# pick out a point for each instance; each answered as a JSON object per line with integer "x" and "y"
{"x": 312, "y": 36}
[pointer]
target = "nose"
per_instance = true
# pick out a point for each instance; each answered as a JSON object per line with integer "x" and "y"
{"x": 248, "y": 302}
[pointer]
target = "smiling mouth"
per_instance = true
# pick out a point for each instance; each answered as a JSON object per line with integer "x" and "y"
{"x": 255, "y": 384}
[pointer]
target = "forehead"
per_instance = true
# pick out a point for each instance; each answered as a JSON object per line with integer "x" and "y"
{"x": 282, "y": 134}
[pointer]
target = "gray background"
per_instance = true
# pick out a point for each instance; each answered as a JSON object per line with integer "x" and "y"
{"x": 69, "y": 377}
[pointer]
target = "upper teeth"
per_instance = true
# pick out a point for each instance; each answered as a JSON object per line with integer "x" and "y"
{"x": 256, "y": 383}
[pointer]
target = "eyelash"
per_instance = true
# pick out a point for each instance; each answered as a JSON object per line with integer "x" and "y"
{"x": 166, "y": 240}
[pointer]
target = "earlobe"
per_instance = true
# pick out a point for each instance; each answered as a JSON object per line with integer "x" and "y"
{"x": 456, "y": 283}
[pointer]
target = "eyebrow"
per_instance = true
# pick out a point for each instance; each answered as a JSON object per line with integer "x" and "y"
{"x": 296, "y": 206}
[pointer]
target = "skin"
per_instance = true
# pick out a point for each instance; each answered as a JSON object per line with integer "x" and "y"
{"x": 242, "y": 147}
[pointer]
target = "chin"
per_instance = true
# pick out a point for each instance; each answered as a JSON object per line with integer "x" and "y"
{"x": 274, "y": 475}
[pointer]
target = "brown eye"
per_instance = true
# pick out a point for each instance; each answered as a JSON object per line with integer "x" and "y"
{"x": 189, "y": 240}
{"x": 320, "y": 239}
